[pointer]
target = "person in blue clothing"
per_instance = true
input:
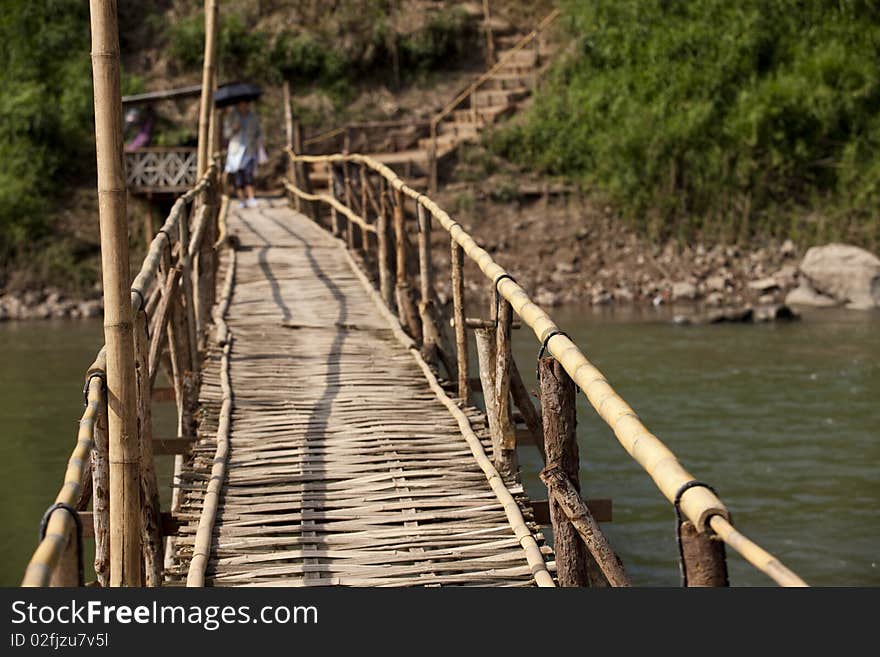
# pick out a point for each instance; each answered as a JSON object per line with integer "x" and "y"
{"x": 241, "y": 127}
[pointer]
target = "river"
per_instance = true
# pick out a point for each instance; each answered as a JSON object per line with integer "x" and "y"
{"x": 781, "y": 419}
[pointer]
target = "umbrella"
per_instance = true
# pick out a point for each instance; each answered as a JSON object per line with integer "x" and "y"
{"x": 230, "y": 94}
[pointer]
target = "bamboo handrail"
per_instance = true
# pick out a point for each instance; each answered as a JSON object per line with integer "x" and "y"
{"x": 336, "y": 205}
{"x": 46, "y": 556}
{"x": 699, "y": 504}
{"x": 49, "y": 551}
{"x": 473, "y": 86}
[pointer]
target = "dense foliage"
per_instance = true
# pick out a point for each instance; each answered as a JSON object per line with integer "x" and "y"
{"x": 728, "y": 118}
{"x": 45, "y": 111}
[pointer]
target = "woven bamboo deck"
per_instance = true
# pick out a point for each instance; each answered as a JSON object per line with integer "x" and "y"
{"x": 345, "y": 467}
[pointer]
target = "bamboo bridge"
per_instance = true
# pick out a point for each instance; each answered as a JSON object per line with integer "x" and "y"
{"x": 327, "y": 433}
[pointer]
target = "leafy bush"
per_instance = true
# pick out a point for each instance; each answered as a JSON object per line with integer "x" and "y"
{"x": 716, "y": 116}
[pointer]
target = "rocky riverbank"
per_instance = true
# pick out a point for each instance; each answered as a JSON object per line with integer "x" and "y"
{"x": 564, "y": 249}
{"x": 48, "y": 303}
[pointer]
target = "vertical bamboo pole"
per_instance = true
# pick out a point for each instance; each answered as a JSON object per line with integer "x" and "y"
{"x": 405, "y": 307}
{"x": 101, "y": 497}
{"x": 207, "y": 103}
{"x": 558, "y": 399}
{"x": 430, "y": 331}
{"x": 151, "y": 529}
{"x": 346, "y": 186}
{"x": 490, "y": 39}
{"x": 335, "y": 223}
{"x": 486, "y": 366}
{"x": 461, "y": 346}
{"x": 503, "y": 356}
{"x": 366, "y": 238}
{"x": 386, "y": 287}
{"x": 704, "y": 561}
{"x": 187, "y": 285}
{"x": 432, "y": 157}
{"x": 125, "y": 537}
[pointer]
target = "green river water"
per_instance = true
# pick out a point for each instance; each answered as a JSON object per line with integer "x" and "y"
{"x": 781, "y": 419}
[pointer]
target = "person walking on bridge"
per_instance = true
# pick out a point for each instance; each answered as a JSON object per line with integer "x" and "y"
{"x": 241, "y": 127}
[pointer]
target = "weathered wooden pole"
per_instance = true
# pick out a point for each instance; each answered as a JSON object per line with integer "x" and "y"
{"x": 433, "y": 173}
{"x": 101, "y": 497}
{"x": 151, "y": 529}
{"x": 430, "y": 330}
{"x": 405, "y": 307}
{"x": 559, "y": 413}
{"x": 335, "y": 222}
{"x": 503, "y": 356}
{"x": 386, "y": 285}
{"x": 124, "y": 450}
{"x": 207, "y": 103}
{"x": 490, "y": 39}
{"x": 704, "y": 561}
{"x": 288, "y": 131}
{"x": 461, "y": 345}
{"x": 486, "y": 364}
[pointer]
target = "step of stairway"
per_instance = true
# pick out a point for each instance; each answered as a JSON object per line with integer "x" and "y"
{"x": 524, "y": 57}
{"x": 458, "y": 128}
{"x": 505, "y": 81}
{"x": 498, "y": 98}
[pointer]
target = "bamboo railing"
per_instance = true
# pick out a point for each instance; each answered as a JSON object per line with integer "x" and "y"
{"x": 172, "y": 296}
{"x": 369, "y": 189}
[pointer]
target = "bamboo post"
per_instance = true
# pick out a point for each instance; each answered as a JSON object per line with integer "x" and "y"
{"x": 125, "y": 547}
{"x": 346, "y": 186}
{"x": 101, "y": 497}
{"x": 490, "y": 39}
{"x": 288, "y": 124}
{"x": 187, "y": 286}
{"x": 405, "y": 307}
{"x": 386, "y": 287}
{"x": 503, "y": 356}
{"x": 560, "y": 444}
{"x": 368, "y": 239}
{"x": 432, "y": 157}
{"x": 205, "y": 266}
{"x": 461, "y": 346}
{"x": 335, "y": 222}
{"x": 486, "y": 364}
{"x": 430, "y": 332}
{"x": 151, "y": 530}
{"x": 207, "y": 102}
{"x": 704, "y": 560}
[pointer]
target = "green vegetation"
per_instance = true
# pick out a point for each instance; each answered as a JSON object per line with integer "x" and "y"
{"x": 729, "y": 119}
{"x": 45, "y": 112}
{"x": 353, "y": 41}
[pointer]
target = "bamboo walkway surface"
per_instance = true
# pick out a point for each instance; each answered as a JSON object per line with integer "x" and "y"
{"x": 345, "y": 467}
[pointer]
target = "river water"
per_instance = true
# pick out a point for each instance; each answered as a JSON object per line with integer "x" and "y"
{"x": 781, "y": 419}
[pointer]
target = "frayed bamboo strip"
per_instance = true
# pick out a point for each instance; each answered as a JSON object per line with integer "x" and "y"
{"x": 205, "y": 531}
{"x": 700, "y": 505}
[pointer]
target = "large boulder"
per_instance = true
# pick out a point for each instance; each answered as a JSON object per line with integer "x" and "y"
{"x": 845, "y": 273}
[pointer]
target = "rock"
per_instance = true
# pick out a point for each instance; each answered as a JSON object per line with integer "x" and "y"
{"x": 623, "y": 294}
{"x": 807, "y": 296}
{"x": 785, "y": 275}
{"x": 683, "y": 290}
{"x": 733, "y": 315}
{"x": 89, "y": 309}
{"x": 845, "y": 273}
{"x": 764, "y": 284}
{"x": 714, "y": 299}
{"x": 716, "y": 283}
{"x": 775, "y": 313}
{"x": 546, "y": 298}
{"x": 787, "y": 249}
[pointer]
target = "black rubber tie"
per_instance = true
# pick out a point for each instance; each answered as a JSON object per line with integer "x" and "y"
{"x": 93, "y": 375}
{"x": 676, "y": 503}
{"x": 44, "y": 524}
{"x": 498, "y": 294}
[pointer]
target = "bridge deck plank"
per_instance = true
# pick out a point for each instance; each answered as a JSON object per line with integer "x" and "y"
{"x": 345, "y": 468}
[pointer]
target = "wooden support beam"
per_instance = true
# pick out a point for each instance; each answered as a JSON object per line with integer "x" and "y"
{"x": 124, "y": 451}
{"x": 406, "y": 309}
{"x": 152, "y": 541}
{"x": 601, "y": 509}
{"x": 577, "y": 516}
{"x": 560, "y": 445}
{"x": 461, "y": 345}
{"x": 507, "y": 462}
{"x": 427, "y": 310}
{"x": 704, "y": 560}
{"x": 101, "y": 497}
{"x": 386, "y": 284}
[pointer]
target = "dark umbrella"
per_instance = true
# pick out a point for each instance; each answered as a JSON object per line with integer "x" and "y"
{"x": 230, "y": 94}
